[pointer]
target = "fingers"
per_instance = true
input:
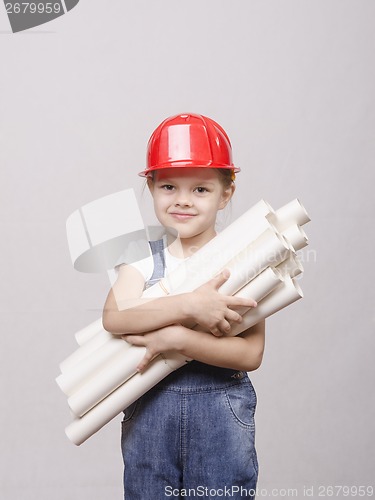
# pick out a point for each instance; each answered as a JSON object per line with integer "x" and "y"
{"x": 137, "y": 340}
{"x": 222, "y": 328}
{"x": 216, "y": 331}
{"x": 233, "y": 316}
{"x": 239, "y": 302}
{"x": 145, "y": 361}
{"x": 221, "y": 278}
{"x": 142, "y": 341}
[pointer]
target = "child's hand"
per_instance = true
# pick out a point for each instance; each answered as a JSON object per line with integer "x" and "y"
{"x": 162, "y": 340}
{"x": 214, "y": 311}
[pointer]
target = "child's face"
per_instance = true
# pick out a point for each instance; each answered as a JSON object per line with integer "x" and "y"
{"x": 188, "y": 199}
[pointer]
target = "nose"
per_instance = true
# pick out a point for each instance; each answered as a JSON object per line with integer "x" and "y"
{"x": 183, "y": 199}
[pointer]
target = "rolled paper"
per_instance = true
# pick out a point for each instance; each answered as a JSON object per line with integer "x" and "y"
{"x": 212, "y": 257}
{"x": 123, "y": 366}
{"x": 73, "y": 378}
{"x": 296, "y": 236}
{"x": 270, "y": 247}
{"x": 209, "y": 259}
{"x": 258, "y": 288}
{"x": 257, "y": 224}
{"x": 291, "y": 213}
{"x": 85, "y": 350}
{"x": 124, "y": 361}
{"x": 101, "y": 231}
{"x": 290, "y": 266}
{"x": 82, "y": 428}
{"x": 261, "y": 286}
{"x": 92, "y": 421}
{"x": 89, "y": 331}
{"x": 282, "y": 296}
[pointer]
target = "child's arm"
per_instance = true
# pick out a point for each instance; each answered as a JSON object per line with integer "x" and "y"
{"x": 126, "y": 312}
{"x": 244, "y": 352}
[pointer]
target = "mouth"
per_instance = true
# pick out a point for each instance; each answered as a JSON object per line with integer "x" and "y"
{"x": 182, "y": 215}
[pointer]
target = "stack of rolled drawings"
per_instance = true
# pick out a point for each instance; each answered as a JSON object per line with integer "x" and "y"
{"x": 100, "y": 378}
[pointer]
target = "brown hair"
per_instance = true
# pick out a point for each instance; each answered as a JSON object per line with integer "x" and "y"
{"x": 226, "y": 175}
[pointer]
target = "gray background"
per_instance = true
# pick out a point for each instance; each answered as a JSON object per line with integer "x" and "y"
{"x": 292, "y": 83}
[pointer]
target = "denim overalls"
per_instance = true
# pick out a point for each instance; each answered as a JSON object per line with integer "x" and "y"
{"x": 192, "y": 435}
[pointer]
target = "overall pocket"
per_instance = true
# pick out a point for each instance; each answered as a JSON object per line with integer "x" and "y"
{"x": 241, "y": 401}
{"x": 131, "y": 411}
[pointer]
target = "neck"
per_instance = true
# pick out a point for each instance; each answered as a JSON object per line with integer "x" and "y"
{"x": 186, "y": 247}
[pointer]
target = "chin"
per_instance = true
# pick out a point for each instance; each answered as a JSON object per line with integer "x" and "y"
{"x": 184, "y": 235}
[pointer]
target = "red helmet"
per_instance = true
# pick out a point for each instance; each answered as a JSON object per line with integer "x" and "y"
{"x": 189, "y": 140}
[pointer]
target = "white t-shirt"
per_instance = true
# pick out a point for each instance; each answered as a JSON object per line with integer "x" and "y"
{"x": 146, "y": 266}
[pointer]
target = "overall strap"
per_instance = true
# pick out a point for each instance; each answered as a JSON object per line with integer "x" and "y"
{"x": 157, "y": 249}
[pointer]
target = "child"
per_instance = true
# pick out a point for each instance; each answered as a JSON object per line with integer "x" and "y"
{"x": 192, "y": 435}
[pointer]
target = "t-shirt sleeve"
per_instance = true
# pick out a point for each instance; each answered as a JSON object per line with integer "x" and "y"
{"x": 145, "y": 266}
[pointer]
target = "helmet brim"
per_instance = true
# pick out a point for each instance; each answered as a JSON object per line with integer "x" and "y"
{"x": 185, "y": 164}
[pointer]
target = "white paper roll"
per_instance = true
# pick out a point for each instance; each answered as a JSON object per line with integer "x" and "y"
{"x": 82, "y": 428}
{"x": 89, "y": 331}
{"x": 283, "y": 295}
{"x": 122, "y": 367}
{"x": 73, "y": 378}
{"x": 269, "y": 249}
{"x": 290, "y": 266}
{"x": 85, "y": 350}
{"x": 291, "y": 213}
{"x": 262, "y": 285}
{"x": 296, "y": 236}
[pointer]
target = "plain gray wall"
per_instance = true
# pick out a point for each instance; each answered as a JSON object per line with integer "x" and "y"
{"x": 292, "y": 83}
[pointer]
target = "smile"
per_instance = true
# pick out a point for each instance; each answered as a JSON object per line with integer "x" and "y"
{"x": 181, "y": 216}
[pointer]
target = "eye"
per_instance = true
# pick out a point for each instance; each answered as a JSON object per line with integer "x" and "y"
{"x": 201, "y": 190}
{"x": 167, "y": 187}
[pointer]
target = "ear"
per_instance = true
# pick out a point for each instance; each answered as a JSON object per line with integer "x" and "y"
{"x": 150, "y": 184}
{"x": 226, "y": 196}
